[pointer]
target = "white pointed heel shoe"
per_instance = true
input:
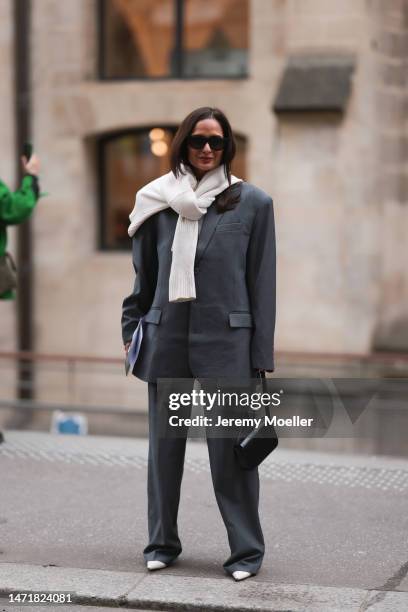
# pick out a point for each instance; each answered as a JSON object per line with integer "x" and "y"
{"x": 238, "y": 575}
{"x": 155, "y": 565}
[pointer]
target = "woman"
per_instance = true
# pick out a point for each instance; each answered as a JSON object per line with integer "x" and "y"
{"x": 16, "y": 206}
{"x": 204, "y": 255}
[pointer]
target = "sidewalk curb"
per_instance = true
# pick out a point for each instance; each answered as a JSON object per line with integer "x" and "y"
{"x": 160, "y": 590}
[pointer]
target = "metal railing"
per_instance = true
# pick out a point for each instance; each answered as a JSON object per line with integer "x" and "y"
{"x": 84, "y": 382}
{"x": 114, "y": 405}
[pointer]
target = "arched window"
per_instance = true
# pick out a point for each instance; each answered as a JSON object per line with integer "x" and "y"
{"x": 127, "y": 161}
{"x": 173, "y": 38}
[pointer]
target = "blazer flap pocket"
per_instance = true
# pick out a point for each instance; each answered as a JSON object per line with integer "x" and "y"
{"x": 240, "y": 319}
{"x": 153, "y": 316}
{"x": 230, "y": 227}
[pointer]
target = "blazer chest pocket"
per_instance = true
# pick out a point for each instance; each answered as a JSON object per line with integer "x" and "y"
{"x": 240, "y": 319}
{"x": 230, "y": 227}
{"x": 153, "y": 316}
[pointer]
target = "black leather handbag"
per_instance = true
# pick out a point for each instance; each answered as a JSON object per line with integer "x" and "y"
{"x": 254, "y": 448}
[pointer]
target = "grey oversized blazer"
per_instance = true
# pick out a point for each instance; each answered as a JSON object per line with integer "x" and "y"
{"x": 229, "y": 329}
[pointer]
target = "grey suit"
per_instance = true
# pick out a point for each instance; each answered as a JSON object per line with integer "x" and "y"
{"x": 228, "y": 331}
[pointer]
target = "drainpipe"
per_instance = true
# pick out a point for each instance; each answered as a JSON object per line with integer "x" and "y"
{"x": 25, "y": 304}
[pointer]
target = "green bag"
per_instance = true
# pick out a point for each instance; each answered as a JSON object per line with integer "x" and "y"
{"x": 8, "y": 273}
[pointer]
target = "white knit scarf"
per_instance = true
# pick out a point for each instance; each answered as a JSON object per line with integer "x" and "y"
{"x": 190, "y": 199}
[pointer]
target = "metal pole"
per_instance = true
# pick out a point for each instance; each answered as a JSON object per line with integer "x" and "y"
{"x": 22, "y": 20}
{"x": 179, "y": 57}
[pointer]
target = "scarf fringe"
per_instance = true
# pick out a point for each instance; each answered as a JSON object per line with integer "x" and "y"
{"x": 181, "y": 286}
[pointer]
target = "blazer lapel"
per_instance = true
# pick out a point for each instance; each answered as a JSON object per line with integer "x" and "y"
{"x": 210, "y": 222}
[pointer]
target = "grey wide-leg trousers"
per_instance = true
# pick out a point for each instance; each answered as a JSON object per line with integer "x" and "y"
{"x": 236, "y": 492}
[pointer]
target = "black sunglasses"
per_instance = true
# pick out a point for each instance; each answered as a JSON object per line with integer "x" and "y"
{"x": 217, "y": 143}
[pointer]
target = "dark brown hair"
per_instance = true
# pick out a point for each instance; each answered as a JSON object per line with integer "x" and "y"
{"x": 179, "y": 152}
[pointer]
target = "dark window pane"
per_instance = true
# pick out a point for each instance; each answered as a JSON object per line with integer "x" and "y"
{"x": 215, "y": 38}
{"x": 129, "y": 161}
{"x": 138, "y": 38}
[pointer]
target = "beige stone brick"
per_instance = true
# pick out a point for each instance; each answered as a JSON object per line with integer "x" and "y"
{"x": 393, "y": 73}
{"x": 394, "y": 149}
{"x": 329, "y": 8}
{"x": 395, "y": 186}
{"x": 392, "y": 105}
{"x": 393, "y": 44}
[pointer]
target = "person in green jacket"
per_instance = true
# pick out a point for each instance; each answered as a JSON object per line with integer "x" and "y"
{"x": 16, "y": 206}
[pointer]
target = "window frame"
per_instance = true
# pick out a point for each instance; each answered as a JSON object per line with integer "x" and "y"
{"x": 102, "y": 204}
{"x": 179, "y": 56}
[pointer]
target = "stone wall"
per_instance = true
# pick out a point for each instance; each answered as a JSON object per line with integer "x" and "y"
{"x": 339, "y": 182}
{"x": 390, "y": 47}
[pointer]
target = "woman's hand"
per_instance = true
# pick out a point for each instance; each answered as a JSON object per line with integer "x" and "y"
{"x": 126, "y": 347}
{"x": 32, "y": 165}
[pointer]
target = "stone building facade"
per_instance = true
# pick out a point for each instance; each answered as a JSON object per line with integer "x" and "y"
{"x": 338, "y": 176}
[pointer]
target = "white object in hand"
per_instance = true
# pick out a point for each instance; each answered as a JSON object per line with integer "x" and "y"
{"x": 134, "y": 348}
